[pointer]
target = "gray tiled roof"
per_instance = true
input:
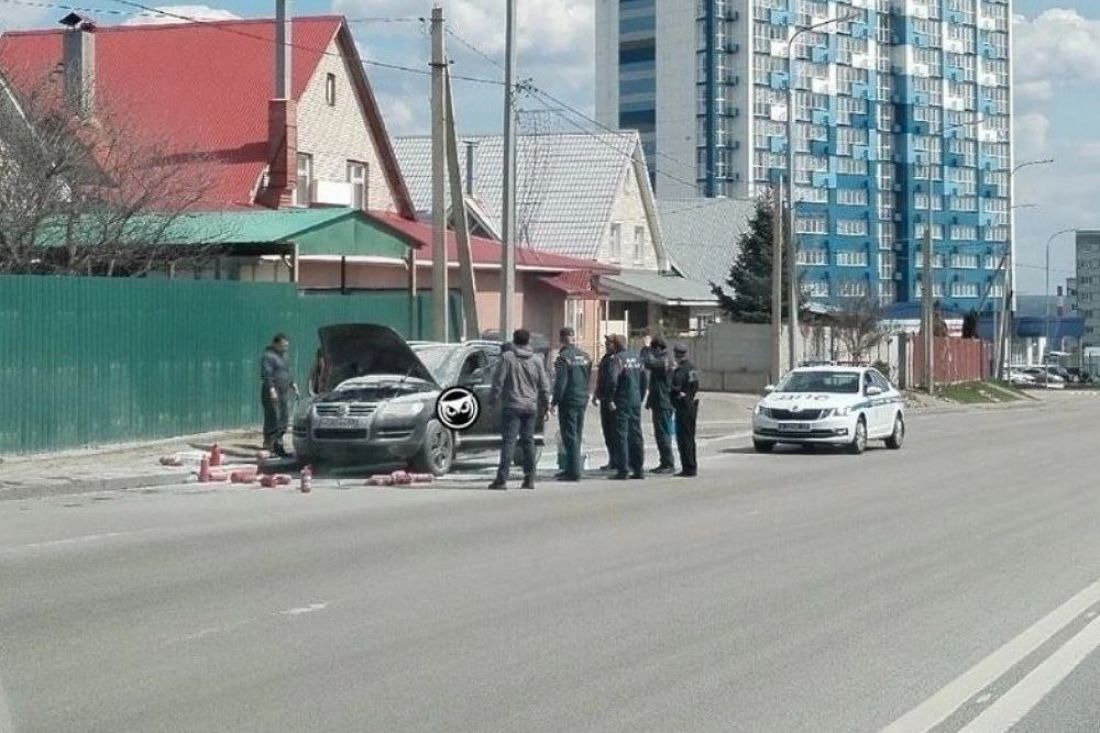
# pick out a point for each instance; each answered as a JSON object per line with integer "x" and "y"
{"x": 701, "y": 235}
{"x": 664, "y": 288}
{"x": 566, "y": 184}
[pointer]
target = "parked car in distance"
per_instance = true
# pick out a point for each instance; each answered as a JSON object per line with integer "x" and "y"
{"x": 1019, "y": 378}
{"x": 1045, "y": 377}
{"x": 839, "y": 406}
{"x": 377, "y": 405}
{"x": 1080, "y": 376}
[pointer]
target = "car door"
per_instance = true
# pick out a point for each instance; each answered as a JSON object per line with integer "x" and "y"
{"x": 476, "y": 374}
{"x": 874, "y": 410}
{"x": 886, "y": 403}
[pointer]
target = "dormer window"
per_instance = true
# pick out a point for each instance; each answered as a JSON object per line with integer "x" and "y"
{"x": 330, "y": 90}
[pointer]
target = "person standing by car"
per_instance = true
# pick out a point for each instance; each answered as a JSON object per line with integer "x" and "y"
{"x": 658, "y": 362}
{"x": 603, "y": 398}
{"x": 276, "y": 387}
{"x": 685, "y": 387}
{"x": 521, "y": 388}
{"x": 572, "y": 371}
{"x": 627, "y": 391}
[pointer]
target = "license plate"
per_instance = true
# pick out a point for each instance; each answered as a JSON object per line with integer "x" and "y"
{"x": 794, "y": 427}
{"x": 337, "y": 422}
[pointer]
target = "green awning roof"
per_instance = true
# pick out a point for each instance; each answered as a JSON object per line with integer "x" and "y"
{"x": 665, "y": 289}
{"x": 335, "y": 231}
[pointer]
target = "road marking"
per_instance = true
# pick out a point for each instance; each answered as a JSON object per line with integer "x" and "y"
{"x": 722, "y": 438}
{"x": 1021, "y": 699}
{"x": 955, "y": 694}
{"x": 85, "y": 539}
{"x": 304, "y": 609}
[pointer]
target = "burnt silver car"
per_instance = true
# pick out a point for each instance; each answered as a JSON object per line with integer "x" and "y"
{"x": 377, "y": 406}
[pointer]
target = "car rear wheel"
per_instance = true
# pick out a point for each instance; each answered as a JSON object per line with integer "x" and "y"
{"x": 763, "y": 446}
{"x": 859, "y": 439}
{"x": 437, "y": 454}
{"x": 898, "y": 436}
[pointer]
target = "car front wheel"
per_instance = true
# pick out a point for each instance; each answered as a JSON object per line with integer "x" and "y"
{"x": 437, "y": 454}
{"x": 859, "y": 439}
{"x": 763, "y": 446}
{"x": 898, "y": 436}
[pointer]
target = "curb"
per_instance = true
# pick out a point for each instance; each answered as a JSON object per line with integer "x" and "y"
{"x": 93, "y": 485}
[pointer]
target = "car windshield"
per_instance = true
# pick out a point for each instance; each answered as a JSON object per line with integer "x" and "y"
{"x": 440, "y": 359}
{"x": 821, "y": 381}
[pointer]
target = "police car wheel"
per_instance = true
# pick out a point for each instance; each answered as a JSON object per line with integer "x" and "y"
{"x": 438, "y": 451}
{"x": 897, "y": 437}
{"x": 763, "y": 446}
{"x": 859, "y": 439}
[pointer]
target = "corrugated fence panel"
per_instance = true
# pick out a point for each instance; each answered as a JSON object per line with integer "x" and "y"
{"x": 88, "y": 361}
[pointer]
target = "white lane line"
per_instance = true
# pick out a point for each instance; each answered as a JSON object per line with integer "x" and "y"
{"x": 950, "y": 698}
{"x": 85, "y": 539}
{"x": 1011, "y": 708}
{"x": 723, "y": 438}
{"x": 305, "y": 609}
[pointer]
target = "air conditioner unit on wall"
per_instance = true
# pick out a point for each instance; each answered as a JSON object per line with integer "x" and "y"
{"x": 331, "y": 193}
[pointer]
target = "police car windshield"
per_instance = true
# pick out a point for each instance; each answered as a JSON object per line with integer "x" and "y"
{"x": 821, "y": 381}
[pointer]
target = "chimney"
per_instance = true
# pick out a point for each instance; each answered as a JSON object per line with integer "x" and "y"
{"x": 282, "y": 118}
{"x": 78, "y": 62}
{"x": 471, "y": 165}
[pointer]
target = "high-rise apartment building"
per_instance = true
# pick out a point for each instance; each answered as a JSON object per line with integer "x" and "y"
{"x": 900, "y": 106}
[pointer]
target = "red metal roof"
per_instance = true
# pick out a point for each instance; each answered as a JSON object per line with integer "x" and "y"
{"x": 198, "y": 91}
{"x": 483, "y": 251}
{"x": 576, "y": 283}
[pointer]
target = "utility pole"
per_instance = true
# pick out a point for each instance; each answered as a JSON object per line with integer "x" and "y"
{"x": 777, "y": 282}
{"x": 929, "y": 320}
{"x": 508, "y": 200}
{"x": 440, "y": 292}
{"x": 472, "y": 328}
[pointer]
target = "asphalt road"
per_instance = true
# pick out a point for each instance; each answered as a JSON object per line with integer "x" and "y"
{"x": 950, "y": 585}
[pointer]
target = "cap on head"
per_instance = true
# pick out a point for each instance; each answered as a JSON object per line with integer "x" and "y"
{"x": 567, "y": 332}
{"x": 658, "y": 343}
{"x": 617, "y": 342}
{"x": 680, "y": 349}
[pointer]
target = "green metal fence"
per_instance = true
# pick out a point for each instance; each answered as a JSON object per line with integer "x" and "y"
{"x": 87, "y": 361}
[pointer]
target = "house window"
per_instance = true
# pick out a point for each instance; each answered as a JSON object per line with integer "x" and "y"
{"x": 639, "y": 245}
{"x": 330, "y": 90}
{"x": 616, "y": 247}
{"x": 302, "y": 191}
{"x": 357, "y": 177}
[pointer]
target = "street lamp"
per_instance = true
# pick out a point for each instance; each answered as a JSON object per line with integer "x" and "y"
{"x": 792, "y": 255}
{"x": 1046, "y": 328}
{"x": 1001, "y": 349}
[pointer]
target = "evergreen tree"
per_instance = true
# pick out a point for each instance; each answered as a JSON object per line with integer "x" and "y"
{"x": 750, "y": 278}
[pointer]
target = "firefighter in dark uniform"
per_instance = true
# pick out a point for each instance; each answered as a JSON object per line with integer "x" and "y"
{"x": 628, "y": 389}
{"x": 658, "y": 362}
{"x": 685, "y": 387}
{"x": 603, "y": 398}
{"x": 572, "y": 370}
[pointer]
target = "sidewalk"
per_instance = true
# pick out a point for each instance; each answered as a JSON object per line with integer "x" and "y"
{"x": 137, "y": 465}
{"x": 121, "y": 466}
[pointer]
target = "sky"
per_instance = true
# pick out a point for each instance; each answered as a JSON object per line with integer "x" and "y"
{"x": 1057, "y": 105}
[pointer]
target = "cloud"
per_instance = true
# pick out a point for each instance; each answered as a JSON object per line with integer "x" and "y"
{"x": 1032, "y": 134}
{"x": 400, "y": 117}
{"x": 21, "y": 17}
{"x": 1058, "y": 46}
{"x": 195, "y": 12}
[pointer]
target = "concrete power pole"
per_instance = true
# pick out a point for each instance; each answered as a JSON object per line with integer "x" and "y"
{"x": 777, "y": 283}
{"x": 508, "y": 213}
{"x": 926, "y": 302}
{"x": 440, "y": 306}
{"x": 472, "y": 327}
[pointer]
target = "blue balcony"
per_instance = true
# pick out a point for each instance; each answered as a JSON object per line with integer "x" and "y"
{"x": 955, "y": 74}
{"x": 779, "y": 16}
{"x": 779, "y": 80}
{"x": 819, "y": 55}
{"x": 819, "y": 116}
{"x": 777, "y": 144}
{"x": 819, "y": 148}
{"x": 824, "y": 180}
{"x": 861, "y": 30}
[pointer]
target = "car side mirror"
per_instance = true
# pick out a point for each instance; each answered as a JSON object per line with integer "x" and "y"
{"x": 873, "y": 391}
{"x": 769, "y": 389}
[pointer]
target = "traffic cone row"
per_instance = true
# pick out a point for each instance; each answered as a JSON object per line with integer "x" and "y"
{"x": 400, "y": 478}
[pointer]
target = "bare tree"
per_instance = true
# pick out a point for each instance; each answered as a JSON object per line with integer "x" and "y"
{"x": 95, "y": 195}
{"x": 860, "y": 327}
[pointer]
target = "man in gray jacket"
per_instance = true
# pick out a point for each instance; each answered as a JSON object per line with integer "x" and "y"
{"x": 276, "y": 385}
{"x": 521, "y": 390}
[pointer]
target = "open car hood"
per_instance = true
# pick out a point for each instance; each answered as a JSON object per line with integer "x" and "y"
{"x": 366, "y": 349}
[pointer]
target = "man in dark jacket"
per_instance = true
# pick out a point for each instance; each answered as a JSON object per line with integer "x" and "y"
{"x": 276, "y": 386}
{"x": 658, "y": 362}
{"x": 521, "y": 389}
{"x": 572, "y": 371}
{"x": 685, "y": 387}
{"x": 627, "y": 390}
{"x": 604, "y": 398}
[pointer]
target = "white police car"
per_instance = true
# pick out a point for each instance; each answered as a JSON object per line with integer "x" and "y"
{"x": 830, "y": 405}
